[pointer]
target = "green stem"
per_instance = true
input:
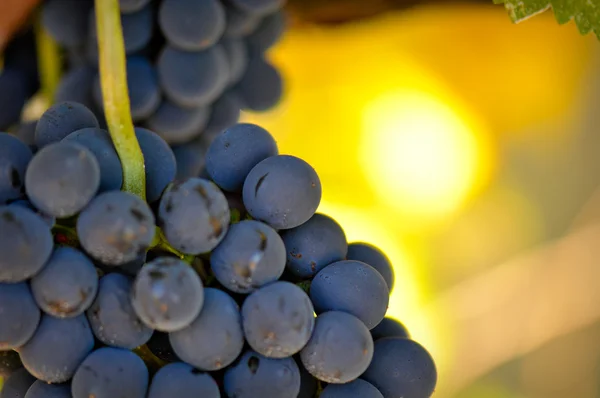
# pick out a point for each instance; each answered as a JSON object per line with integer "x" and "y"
{"x": 115, "y": 96}
{"x": 48, "y": 60}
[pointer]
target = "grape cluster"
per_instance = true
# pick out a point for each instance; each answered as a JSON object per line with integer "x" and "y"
{"x": 192, "y": 66}
{"x": 214, "y": 283}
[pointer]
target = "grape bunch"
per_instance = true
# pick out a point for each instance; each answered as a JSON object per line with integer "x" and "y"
{"x": 208, "y": 288}
{"x": 192, "y": 66}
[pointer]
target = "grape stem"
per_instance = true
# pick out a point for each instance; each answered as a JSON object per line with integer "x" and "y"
{"x": 115, "y": 96}
{"x": 48, "y": 60}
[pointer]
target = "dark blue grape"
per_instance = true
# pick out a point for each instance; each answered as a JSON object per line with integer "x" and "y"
{"x": 401, "y": 368}
{"x": 234, "y": 153}
{"x": 112, "y": 317}
{"x": 62, "y": 178}
{"x": 14, "y": 158}
{"x": 251, "y": 255}
{"x": 225, "y": 112}
{"x": 192, "y": 25}
{"x": 116, "y": 227}
{"x": 215, "y": 338}
{"x": 194, "y": 215}
{"x": 355, "y": 389}
{"x": 268, "y": 33}
{"x": 353, "y": 287}
{"x": 340, "y": 348}
{"x": 167, "y": 294}
{"x": 260, "y": 7}
{"x": 308, "y": 384}
{"x": 182, "y": 381}
{"x": 257, "y": 376}
{"x": 67, "y": 285}
{"x": 25, "y": 230}
{"x": 240, "y": 23}
{"x": 142, "y": 83}
{"x": 98, "y": 141}
{"x": 66, "y": 20}
{"x": 9, "y": 363}
{"x": 62, "y": 119}
{"x": 17, "y": 384}
{"x": 190, "y": 158}
{"x": 26, "y": 133}
{"x": 13, "y": 95}
{"x": 371, "y": 255}
{"x": 129, "y": 6}
{"x": 261, "y": 87}
{"x": 76, "y": 86}
{"x": 389, "y": 327}
{"x": 283, "y": 191}
{"x": 193, "y": 79}
{"x": 19, "y": 316}
{"x": 237, "y": 57}
{"x": 159, "y": 162}
{"x": 57, "y": 348}
{"x": 28, "y": 205}
{"x": 110, "y": 373}
{"x": 39, "y": 389}
{"x": 313, "y": 245}
{"x": 278, "y": 319}
{"x": 177, "y": 125}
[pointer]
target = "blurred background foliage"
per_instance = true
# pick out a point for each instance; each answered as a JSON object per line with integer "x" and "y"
{"x": 466, "y": 147}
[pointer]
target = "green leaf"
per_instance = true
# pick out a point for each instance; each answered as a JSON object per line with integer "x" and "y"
{"x": 586, "y": 13}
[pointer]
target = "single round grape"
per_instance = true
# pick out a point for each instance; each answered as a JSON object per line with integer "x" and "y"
{"x": 9, "y": 363}
{"x": 57, "y": 348}
{"x": 182, "y": 381}
{"x": 192, "y": 25}
{"x": 76, "y": 86}
{"x": 251, "y": 255}
{"x": 353, "y": 287}
{"x": 66, "y": 20}
{"x": 98, "y": 141}
{"x": 283, "y": 191}
{"x": 215, "y": 338}
{"x": 40, "y": 389}
{"x": 60, "y": 120}
{"x": 14, "y": 158}
{"x": 401, "y": 368}
{"x": 167, "y": 294}
{"x": 112, "y": 317}
{"x": 62, "y": 178}
{"x": 194, "y": 215}
{"x": 267, "y": 33}
{"x": 225, "y": 112}
{"x": 17, "y": 384}
{"x": 109, "y": 373}
{"x": 261, "y": 87}
{"x": 260, "y": 7}
{"x": 389, "y": 327}
{"x": 234, "y": 153}
{"x": 278, "y": 319}
{"x": 116, "y": 227}
{"x": 159, "y": 162}
{"x": 25, "y": 204}
{"x": 371, "y": 255}
{"x": 256, "y": 376}
{"x": 318, "y": 242}
{"x": 19, "y": 316}
{"x": 67, "y": 285}
{"x": 193, "y": 79}
{"x": 340, "y": 348}
{"x": 25, "y": 246}
{"x": 355, "y": 389}
{"x": 178, "y": 125}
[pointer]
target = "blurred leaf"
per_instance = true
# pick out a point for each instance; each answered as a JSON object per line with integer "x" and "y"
{"x": 586, "y": 13}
